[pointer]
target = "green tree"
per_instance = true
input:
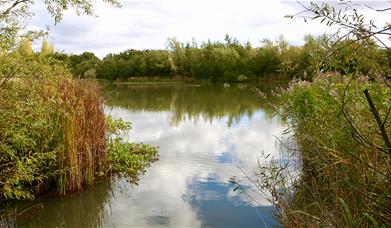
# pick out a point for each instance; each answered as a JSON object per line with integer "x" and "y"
{"x": 24, "y": 47}
{"x": 83, "y": 63}
{"x": 178, "y": 55}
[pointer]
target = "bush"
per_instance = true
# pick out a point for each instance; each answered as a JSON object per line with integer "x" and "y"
{"x": 345, "y": 179}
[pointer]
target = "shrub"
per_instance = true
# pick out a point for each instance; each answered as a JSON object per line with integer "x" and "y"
{"x": 128, "y": 159}
{"x": 345, "y": 176}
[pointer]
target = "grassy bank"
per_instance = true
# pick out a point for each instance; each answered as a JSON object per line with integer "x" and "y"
{"x": 271, "y": 79}
{"x": 345, "y": 176}
{"x": 54, "y": 136}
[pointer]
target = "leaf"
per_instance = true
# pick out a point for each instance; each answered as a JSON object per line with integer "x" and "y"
{"x": 347, "y": 214}
{"x": 370, "y": 217}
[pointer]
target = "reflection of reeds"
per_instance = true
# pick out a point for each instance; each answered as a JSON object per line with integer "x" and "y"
{"x": 85, "y": 209}
{"x": 84, "y": 151}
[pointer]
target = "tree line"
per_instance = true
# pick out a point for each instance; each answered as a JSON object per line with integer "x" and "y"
{"x": 229, "y": 60}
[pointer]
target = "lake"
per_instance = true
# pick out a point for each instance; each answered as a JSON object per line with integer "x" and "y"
{"x": 206, "y": 134}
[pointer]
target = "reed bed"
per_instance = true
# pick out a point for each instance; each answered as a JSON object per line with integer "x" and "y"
{"x": 84, "y": 154}
{"x": 345, "y": 175}
{"x": 54, "y": 135}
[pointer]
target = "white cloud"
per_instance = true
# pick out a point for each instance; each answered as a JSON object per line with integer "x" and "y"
{"x": 148, "y": 24}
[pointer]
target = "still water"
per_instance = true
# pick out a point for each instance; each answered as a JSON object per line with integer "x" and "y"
{"x": 205, "y": 134}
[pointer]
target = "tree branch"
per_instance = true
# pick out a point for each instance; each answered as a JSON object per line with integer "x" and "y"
{"x": 378, "y": 121}
{"x": 9, "y": 9}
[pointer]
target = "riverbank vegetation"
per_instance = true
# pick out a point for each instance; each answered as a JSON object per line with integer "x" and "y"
{"x": 345, "y": 161}
{"x": 340, "y": 122}
{"x": 54, "y": 135}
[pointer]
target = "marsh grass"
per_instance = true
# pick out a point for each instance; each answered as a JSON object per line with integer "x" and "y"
{"x": 51, "y": 131}
{"x": 84, "y": 146}
{"x": 344, "y": 181}
{"x": 54, "y": 135}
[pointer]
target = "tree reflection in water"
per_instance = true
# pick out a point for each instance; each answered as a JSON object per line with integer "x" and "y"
{"x": 193, "y": 102}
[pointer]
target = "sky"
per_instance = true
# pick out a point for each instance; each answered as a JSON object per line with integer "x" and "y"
{"x": 142, "y": 24}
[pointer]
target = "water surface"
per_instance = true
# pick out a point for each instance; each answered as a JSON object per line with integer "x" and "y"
{"x": 205, "y": 134}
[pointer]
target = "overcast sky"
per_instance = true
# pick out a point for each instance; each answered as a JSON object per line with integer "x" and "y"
{"x": 147, "y": 24}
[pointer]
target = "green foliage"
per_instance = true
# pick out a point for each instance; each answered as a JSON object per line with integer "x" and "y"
{"x": 341, "y": 125}
{"x": 83, "y": 65}
{"x": 127, "y": 159}
{"x": 29, "y": 130}
{"x": 231, "y": 61}
{"x": 52, "y": 128}
{"x": 90, "y": 73}
{"x": 117, "y": 127}
{"x": 24, "y": 47}
{"x": 54, "y": 136}
{"x": 46, "y": 48}
{"x": 345, "y": 177}
{"x": 131, "y": 159}
{"x": 133, "y": 63}
{"x": 7, "y": 38}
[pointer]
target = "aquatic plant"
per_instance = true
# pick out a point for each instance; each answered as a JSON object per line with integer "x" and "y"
{"x": 128, "y": 159}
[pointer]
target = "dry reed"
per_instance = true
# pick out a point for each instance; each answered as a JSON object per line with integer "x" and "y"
{"x": 84, "y": 154}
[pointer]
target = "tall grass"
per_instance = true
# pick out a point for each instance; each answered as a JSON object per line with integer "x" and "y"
{"x": 51, "y": 130}
{"x": 345, "y": 176}
{"x": 84, "y": 147}
{"x": 54, "y": 136}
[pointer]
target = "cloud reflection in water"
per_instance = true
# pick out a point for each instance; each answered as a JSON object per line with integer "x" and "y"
{"x": 204, "y": 135}
{"x": 189, "y": 185}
